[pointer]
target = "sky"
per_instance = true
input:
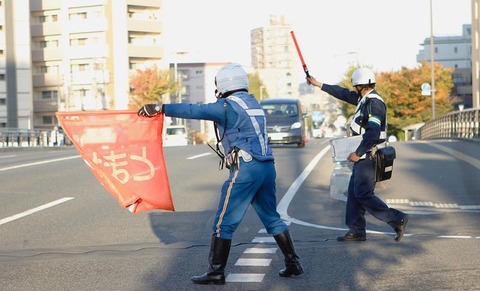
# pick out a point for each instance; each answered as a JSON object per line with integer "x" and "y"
{"x": 332, "y": 35}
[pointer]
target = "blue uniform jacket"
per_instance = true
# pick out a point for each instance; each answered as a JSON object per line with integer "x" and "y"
{"x": 227, "y": 119}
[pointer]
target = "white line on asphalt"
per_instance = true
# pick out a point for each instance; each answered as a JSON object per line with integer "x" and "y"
{"x": 455, "y": 236}
{"x": 250, "y": 262}
{"x": 268, "y": 239}
{"x": 245, "y": 278}
{"x": 38, "y": 163}
{"x": 36, "y": 209}
{"x": 198, "y": 156}
{"x": 260, "y": 250}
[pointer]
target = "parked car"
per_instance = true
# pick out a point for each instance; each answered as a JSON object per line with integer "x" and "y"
{"x": 175, "y": 135}
{"x": 285, "y": 121}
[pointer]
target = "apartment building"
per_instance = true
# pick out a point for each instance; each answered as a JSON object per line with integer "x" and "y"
{"x": 67, "y": 55}
{"x": 275, "y": 59}
{"x": 16, "y": 107}
{"x": 454, "y": 52}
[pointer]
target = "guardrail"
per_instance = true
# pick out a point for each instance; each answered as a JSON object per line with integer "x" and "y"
{"x": 31, "y": 138}
{"x": 463, "y": 124}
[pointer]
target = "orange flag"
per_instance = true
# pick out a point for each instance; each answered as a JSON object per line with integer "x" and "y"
{"x": 124, "y": 152}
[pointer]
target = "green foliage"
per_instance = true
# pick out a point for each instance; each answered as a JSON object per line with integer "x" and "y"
{"x": 255, "y": 84}
{"x": 149, "y": 85}
{"x": 401, "y": 91}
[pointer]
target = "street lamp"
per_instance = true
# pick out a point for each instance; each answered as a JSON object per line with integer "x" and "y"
{"x": 432, "y": 61}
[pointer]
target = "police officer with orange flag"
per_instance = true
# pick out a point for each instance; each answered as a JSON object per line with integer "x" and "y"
{"x": 241, "y": 129}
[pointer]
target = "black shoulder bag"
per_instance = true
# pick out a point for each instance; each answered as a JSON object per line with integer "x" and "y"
{"x": 384, "y": 157}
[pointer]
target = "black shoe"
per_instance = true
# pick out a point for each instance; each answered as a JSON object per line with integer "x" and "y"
{"x": 350, "y": 236}
{"x": 205, "y": 279}
{"x": 400, "y": 229}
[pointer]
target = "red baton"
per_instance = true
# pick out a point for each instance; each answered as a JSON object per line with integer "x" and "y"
{"x": 305, "y": 69}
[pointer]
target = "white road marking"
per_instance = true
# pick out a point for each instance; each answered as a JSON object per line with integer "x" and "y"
{"x": 245, "y": 278}
{"x": 36, "y": 209}
{"x": 198, "y": 156}
{"x": 455, "y": 236}
{"x": 268, "y": 239}
{"x": 250, "y": 262}
{"x": 38, "y": 163}
{"x": 260, "y": 251}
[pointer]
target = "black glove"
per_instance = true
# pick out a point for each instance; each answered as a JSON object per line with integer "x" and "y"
{"x": 150, "y": 110}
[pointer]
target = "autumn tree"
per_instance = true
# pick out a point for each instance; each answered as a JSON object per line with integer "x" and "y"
{"x": 150, "y": 86}
{"x": 401, "y": 91}
{"x": 256, "y": 87}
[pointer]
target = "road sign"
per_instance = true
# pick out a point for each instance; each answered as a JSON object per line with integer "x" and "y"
{"x": 426, "y": 89}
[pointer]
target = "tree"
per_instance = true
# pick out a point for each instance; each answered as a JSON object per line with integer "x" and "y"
{"x": 401, "y": 91}
{"x": 150, "y": 85}
{"x": 256, "y": 87}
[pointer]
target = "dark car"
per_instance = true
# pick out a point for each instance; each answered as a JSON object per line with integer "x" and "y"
{"x": 285, "y": 121}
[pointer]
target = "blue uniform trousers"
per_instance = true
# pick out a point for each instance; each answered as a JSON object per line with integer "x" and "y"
{"x": 248, "y": 183}
{"x": 361, "y": 198}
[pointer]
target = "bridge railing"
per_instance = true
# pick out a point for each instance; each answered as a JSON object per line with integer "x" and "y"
{"x": 31, "y": 138}
{"x": 459, "y": 124}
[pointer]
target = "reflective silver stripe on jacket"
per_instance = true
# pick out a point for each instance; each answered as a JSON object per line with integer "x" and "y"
{"x": 253, "y": 113}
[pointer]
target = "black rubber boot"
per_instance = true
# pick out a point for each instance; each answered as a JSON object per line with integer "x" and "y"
{"x": 217, "y": 260}
{"x": 292, "y": 261}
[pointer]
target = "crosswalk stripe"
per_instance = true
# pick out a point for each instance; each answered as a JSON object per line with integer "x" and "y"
{"x": 245, "y": 278}
{"x": 260, "y": 250}
{"x": 268, "y": 239}
{"x": 253, "y": 262}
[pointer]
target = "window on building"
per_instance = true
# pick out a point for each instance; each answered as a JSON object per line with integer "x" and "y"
{"x": 48, "y": 43}
{"x": 2, "y": 77}
{"x": 436, "y": 49}
{"x": 48, "y": 69}
{"x": 183, "y": 74}
{"x": 78, "y": 42}
{"x": 48, "y": 18}
{"x": 78, "y": 16}
{"x": 49, "y": 95}
{"x": 3, "y": 101}
{"x": 47, "y": 120}
{"x": 80, "y": 67}
{"x": 455, "y": 49}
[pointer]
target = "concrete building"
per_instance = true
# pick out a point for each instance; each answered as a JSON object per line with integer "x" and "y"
{"x": 73, "y": 55}
{"x": 454, "y": 52}
{"x": 16, "y": 106}
{"x": 275, "y": 59}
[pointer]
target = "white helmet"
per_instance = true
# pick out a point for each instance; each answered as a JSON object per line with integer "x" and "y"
{"x": 231, "y": 77}
{"x": 363, "y": 76}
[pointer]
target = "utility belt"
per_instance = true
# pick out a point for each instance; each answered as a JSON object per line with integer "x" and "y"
{"x": 233, "y": 158}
